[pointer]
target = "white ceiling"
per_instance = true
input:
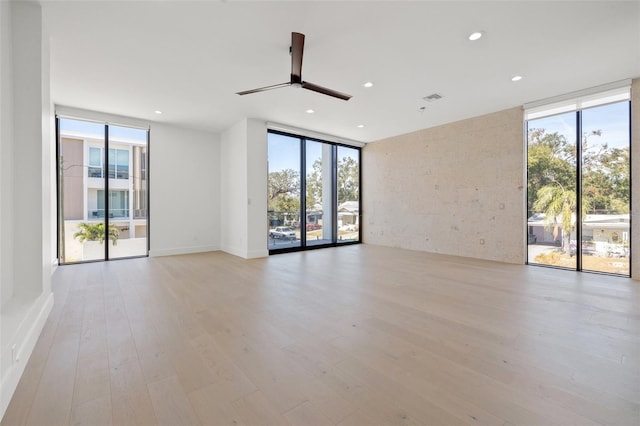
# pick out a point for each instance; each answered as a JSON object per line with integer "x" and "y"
{"x": 188, "y": 59}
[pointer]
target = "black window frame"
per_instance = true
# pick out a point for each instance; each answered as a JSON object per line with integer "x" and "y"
{"x": 334, "y": 194}
{"x": 578, "y": 213}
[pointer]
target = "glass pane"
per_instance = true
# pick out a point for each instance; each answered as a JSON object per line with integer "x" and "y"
{"x": 139, "y": 182}
{"x": 81, "y": 229}
{"x": 122, "y": 162}
{"x": 127, "y": 226}
{"x": 606, "y": 189}
{"x": 100, "y": 202}
{"x": 112, "y": 163}
{"x": 95, "y": 163}
{"x": 551, "y": 191}
{"x": 348, "y": 194}
{"x": 283, "y": 209}
{"x": 319, "y": 203}
{"x": 94, "y": 157}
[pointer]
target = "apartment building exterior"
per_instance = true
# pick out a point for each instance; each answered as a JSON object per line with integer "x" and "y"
{"x": 86, "y": 172}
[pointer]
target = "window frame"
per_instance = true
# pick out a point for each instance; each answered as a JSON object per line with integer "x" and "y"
{"x": 106, "y": 125}
{"x": 302, "y": 140}
{"x": 579, "y": 223}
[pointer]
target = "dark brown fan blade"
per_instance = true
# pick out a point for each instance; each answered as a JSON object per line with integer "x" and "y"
{"x": 297, "y": 48}
{"x": 262, "y": 89}
{"x": 325, "y": 91}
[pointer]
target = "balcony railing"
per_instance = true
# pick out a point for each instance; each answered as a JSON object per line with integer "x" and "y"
{"x": 113, "y": 213}
{"x": 117, "y": 213}
{"x": 139, "y": 213}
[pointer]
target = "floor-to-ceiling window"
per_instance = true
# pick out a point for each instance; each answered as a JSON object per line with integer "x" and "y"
{"x": 284, "y": 194}
{"x": 102, "y": 191}
{"x": 578, "y": 184}
{"x": 348, "y": 191}
{"x": 313, "y": 193}
{"x": 319, "y": 194}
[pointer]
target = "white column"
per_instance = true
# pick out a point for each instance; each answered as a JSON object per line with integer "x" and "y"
{"x": 327, "y": 192}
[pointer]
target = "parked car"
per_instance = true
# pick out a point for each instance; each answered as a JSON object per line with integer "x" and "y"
{"x": 282, "y": 232}
{"x": 617, "y": 251}
{"x": 313, "y": 226}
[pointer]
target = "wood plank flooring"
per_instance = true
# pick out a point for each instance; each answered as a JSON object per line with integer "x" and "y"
{"x": 356, "y": 335}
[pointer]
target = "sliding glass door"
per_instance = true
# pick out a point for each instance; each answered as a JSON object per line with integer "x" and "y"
{"x": 579, "y": 189}
{"x": 313, "y": 193}
{"x": 348, "y": 190}
{"x": 605, "y": 189}
{"x": 102, "y": 191}
{"x": 552, "y": 198}
{"x": 127, "y": 181}
{"x": 81, "y": 227}
{"x": 284, "y": 195}
{"x": 319, "y": 194}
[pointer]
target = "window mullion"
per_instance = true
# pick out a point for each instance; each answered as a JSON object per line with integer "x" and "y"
{"x": 579, "y": 190}
{"x": 303, "y": 192}
{"x": 106, "y": 193}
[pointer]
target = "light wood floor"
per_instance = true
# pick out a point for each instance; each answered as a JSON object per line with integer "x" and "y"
{"x": 356, "y": 335}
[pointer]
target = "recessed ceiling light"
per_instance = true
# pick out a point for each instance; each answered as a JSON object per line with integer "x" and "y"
{"x": 360, "y": 126}
{"x": 310, "y": 111}
{"x": 158, "y": 112}
{"x": 516, "y": 78}
{"x": 368, "y": 84}
{"x": 476, "y": 35}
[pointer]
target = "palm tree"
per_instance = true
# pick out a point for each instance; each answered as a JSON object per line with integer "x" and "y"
{"x": 95, "y": 232}
{"x": 557, "y": 202}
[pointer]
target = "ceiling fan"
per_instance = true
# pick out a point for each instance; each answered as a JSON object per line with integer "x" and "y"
{"x": 296, "y": 50}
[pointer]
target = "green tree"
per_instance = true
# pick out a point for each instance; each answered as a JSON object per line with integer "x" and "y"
{"x": 558, "y": 205}
{"x": 551, "y": 185}
{"x": 550, "y": 160}
{"x": 605, "y": 170}
{"x": 314, "y": 185}
{"x": 95, "y": 232}
{"x": 284, "y": 191}
{"x": 606, "y": 177}
{"x": 348, "y": 180}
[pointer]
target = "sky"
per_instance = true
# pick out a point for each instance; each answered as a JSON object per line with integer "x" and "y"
{"x": 284, "y": 152}
{"x": 98, "y": 129}
{"x": 612, "y": 120}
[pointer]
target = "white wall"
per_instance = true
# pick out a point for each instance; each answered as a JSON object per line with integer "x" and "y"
{"x": 257, "y": 177}
{"x": 26, "y": 202}
{"x": 244, "y": 189}
{"x": 6, "y": 154}
{"x": 233, "y": 193}
{"x": 184, "y": 190}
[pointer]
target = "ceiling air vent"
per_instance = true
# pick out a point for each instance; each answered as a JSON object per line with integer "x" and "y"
{"x": 433, "y": 97}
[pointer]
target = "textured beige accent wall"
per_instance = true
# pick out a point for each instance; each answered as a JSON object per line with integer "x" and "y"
{"x": 635, "y": 179}
{"x": 454, "y": 189}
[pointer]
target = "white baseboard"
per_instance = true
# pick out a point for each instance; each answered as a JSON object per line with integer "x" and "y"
{"x": 182, "y": 250}
{"x": 203, "y": 249}
{"x": 27, "y": 335}
{"x": 254, "y": 254}
{"x": 234, "y": 251}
